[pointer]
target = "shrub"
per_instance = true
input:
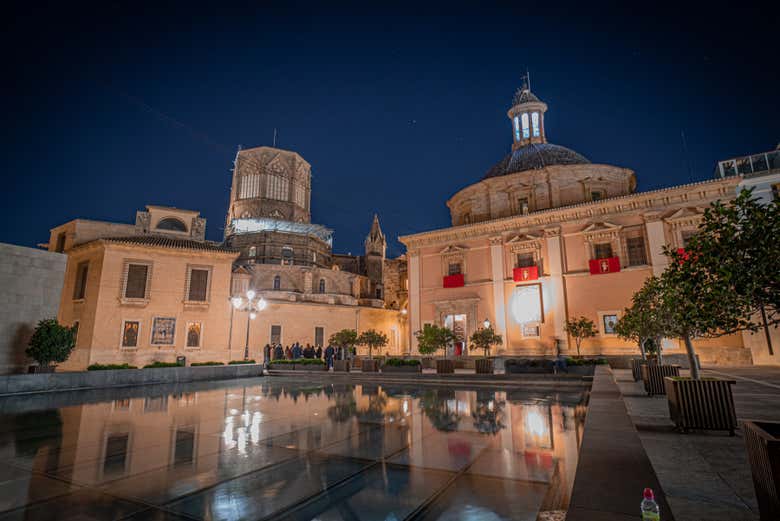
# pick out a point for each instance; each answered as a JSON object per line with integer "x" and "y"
{"x": 239, "y": 362}
{"x": 586, "y": 361}
{"x": 309, "y": 361}
{"x": 400, "y": 362}
{"x": 51, "y": 342}
{"x": 283, "y": 361}
{"x": 156, "y": 365}
{"x": 109, "y": 367}
{"x": 199, "y": 364}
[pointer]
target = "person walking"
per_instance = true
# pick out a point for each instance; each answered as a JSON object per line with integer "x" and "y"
{"x": 266, "y": 354}
{"x": 288, "y": 353}
{"x": 329, "y": 356}
{"x": 278, "y": 352}
{"x": 296, "y": 351}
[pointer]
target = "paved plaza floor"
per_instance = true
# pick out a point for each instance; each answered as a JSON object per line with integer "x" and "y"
{"x": 705, "y": 475}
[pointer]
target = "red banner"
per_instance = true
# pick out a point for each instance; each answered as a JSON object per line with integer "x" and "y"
{"x": 601, "y": 266}
{"x": 527, "y": 273}
{"x": 454, "y": 281}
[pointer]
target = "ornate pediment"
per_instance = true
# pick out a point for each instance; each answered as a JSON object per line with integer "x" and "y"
{"x": 601, "y": 231}
{"x": 525, "y": 242}
{"x": 686, "y": 217}
{"x": 453, "y": 249}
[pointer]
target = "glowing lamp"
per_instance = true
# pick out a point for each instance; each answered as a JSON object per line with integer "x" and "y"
{"x": 253, "y": 315}
{"x": 250, "y": 294}
{"x": 486, "y": 323}
{"x": 261, "y": 304}
{"x": 236, "y": 301}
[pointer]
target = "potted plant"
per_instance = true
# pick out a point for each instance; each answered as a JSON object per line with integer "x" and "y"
{"x": 580, "y": 328}
{"x": 485, "y": 338}
{"x": 401, "y": 365}
{"x": 762, "y": 440}
{"x": 371, "y": 339}
{"x": 430, "y": 339}
{"x": 640, "y": 323}
{"x": 346, "y": 339}
{"x": 51, "y": 342}
{"x": 526, "y": 365}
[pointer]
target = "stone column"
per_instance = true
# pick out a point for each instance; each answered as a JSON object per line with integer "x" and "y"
{"x": 555, "y": 282}
{"x": 656, "y": 240}
{"x": 414, "y": 298}
{"x": 497, "y": 265}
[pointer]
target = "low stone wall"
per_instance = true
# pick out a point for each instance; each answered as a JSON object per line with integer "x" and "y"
{"x": 41, "y": 383}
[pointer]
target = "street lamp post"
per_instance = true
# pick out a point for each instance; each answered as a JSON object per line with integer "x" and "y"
{"x": 486, "y": 323}
{"x": 252, "y": 307}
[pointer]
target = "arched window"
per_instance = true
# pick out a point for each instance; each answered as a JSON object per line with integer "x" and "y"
{"x": 535, "y": 123}
{"x": 322, "y": 285}
{"x": 526, "y": 132}
{"x": 517, "y": 128}
{"x": 277, "y": 282}
{"x": 171, "y": 223}
{"x": 252, "y": 251}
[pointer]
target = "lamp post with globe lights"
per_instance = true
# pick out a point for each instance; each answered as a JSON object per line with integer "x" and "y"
{"x": 252, "y": 307}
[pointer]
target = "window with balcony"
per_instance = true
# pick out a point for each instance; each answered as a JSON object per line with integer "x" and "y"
{"x": 602, "y": 250}
{"x": 525, "y": 260}
{"x": 454, "y": 268}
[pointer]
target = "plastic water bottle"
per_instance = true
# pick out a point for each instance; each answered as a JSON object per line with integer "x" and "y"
{"x": 650, "y": 511}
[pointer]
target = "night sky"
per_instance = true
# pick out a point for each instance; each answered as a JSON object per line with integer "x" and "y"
{"x": 112, "y": 107}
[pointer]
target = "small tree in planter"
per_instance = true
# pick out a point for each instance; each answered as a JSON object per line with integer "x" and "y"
{"x": 51, "y": 342}
{"x": 371, "y": 339}
{"x": 580, "y": 328}
{"x": 485, "y": 338}
{"x": 346, "y": 339}
{"x": 431, "y": 338}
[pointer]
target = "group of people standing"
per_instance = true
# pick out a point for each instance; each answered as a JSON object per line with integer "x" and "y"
{"x": 296, "y": 351}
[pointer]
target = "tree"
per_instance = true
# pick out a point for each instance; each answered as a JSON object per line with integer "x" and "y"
{"x": 737, "y": 244}
{"x": 346, "y": 338}
{"x": 372, "y": 339}
{"x": 644, "y": 320}
{"x": 485, "y": 338}
{"x": 432, "y": 338}
{"x": 51, "y": 342}
{"x": 580, "y": 328}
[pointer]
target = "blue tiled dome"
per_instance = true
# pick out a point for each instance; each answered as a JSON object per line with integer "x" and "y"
{"x": 534, "y": 157}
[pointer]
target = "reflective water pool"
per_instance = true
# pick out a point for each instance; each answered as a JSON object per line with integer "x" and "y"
{"x": 280, "y": 449}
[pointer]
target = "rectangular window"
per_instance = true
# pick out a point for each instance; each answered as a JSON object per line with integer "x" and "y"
{"x": 454, "y": 268}
{"x": 596, "y": 195}
{"x": 686, "y": 236}
{"x": 60, "y": 243}
{"x": 299, "y": 195}
{"x": 530, "y": 330}
{"x": 525, "y": 260}
{"x": 130, "y": 330}
{"x": 184, "y": 447}
{"x": 319, "y": 336}
{"x": 163, "y": 331}
{"x": 199, "y": 285}
{"x": 115, "y": 458}
{"x": 609, "y": 324}
{"x": 522, "y": 206}
{"x": 80, "y": 289}
{"x": 276, "y": 335}
{"x": 602, "y": 250}
{"x": 637, "y": 256}
{"x": 194, "y": 330}
{"x": 277, "y": 187}
{"x": 137, "y": 277}
{"x": 249, "y": 187}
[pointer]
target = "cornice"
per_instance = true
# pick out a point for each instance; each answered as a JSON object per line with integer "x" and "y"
{"x": 645, "y": 202}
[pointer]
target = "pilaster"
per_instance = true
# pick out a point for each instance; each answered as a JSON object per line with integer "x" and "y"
{"x": 414, "y": 298}
{"x": 555, "y": 280}
{"x": 497, "y": 265}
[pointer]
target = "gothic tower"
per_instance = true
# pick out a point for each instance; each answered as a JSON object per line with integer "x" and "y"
{"x": 376, "y": 247}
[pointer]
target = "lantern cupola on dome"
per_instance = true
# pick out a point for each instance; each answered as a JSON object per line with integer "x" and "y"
{"x": 527, "y": 117}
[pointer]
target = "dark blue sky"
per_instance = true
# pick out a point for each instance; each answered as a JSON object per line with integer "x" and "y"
{"x": 113, "y": 107}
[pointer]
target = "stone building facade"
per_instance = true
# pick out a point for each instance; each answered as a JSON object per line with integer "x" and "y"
{"x": 545, "y": 236}
{"x": 156, "y": 290}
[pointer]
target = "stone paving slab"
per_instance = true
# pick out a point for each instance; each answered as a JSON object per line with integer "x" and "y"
{"x": 705, "y": 475}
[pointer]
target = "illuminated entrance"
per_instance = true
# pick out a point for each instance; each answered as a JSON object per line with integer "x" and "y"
{"x": 457, "y": 324}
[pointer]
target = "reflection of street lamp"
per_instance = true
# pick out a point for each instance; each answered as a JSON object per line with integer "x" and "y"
{"x": 486, "y": 323}
{"x": 251, "y": 307}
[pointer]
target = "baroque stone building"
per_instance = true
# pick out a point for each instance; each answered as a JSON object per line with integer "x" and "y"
{"x": 156, "y": 289}
{"x": 544, "y": 236}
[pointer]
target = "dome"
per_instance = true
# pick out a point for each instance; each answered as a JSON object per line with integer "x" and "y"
{"x": 535, "y": 156}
